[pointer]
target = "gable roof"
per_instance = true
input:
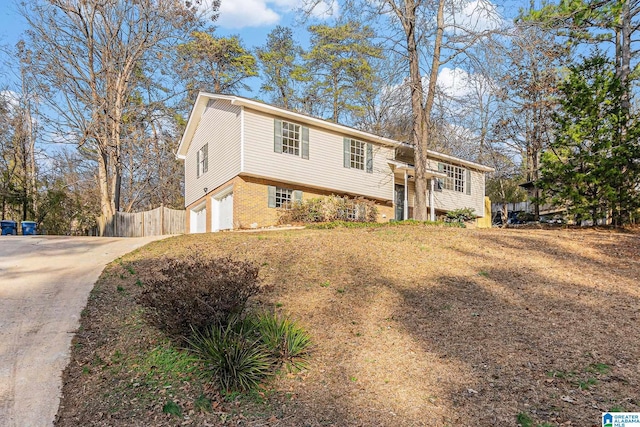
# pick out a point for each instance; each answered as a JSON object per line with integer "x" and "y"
{"x": 204, "y": 97}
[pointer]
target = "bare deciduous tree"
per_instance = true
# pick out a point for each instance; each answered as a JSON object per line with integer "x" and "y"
{"x": 424, "y": 32}
{"x": 18, "y": 133}
{"x": 88, "y": 57}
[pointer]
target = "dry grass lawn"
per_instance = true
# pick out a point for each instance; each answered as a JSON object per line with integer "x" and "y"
{"x": 412, "y": 326}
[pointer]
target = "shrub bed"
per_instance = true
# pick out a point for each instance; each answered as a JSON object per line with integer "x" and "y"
{"x": 201, "y": 300}
{"x": 345, "y": 224}
{"x": 330, "y": 208}
{"x": 461, "y": 215}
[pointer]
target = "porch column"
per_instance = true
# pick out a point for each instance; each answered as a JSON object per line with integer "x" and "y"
{"x": 405, "y": 214}
{"x": 432, "y": 199}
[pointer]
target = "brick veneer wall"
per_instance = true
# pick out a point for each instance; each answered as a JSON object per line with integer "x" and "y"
{"x": 250, "y": 203}
{"x": 251, "y": 209}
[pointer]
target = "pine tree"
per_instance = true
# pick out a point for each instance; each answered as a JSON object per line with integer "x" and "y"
{"x": 591, "y": 167}
{"x": 282, "y": 71}
{"x": 218, "y": 64}
{"x": 339, "y": 61}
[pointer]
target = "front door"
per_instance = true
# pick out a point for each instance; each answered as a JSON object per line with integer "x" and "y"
{"x": 399, "y": 202}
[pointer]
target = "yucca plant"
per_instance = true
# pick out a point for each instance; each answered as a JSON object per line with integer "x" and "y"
{"x": 235, "y": 355}
{"x": 283, "y": 337}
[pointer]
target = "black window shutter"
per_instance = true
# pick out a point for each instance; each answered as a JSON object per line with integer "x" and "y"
{"x": 468, "y": 181}
{"x": 369, "y": 158}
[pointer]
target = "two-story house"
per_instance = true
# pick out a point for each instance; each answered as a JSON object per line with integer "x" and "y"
{"x": 245, "y": 159}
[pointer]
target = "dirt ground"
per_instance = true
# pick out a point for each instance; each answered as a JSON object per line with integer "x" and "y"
{"x": 412, "y": 326}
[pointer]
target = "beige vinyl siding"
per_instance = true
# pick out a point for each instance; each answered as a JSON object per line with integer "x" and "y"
{"x": 220, "y": 128}
{"x": 450, "y": 200}
{"x": 324, "y": 169}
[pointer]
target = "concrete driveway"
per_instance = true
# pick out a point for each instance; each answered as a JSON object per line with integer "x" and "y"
{"x": 44, "y": 285}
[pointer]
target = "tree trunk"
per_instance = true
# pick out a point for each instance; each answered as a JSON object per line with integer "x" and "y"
{"x": 624, "y": 71}
{"x": 422, "y": 127}
{"x": 106, "y": 210}
{"x": 505, "y": 214}
{"x": 623, "y": 51}
{"x": 417, "y": 108}
{"x": 336, "y": 99}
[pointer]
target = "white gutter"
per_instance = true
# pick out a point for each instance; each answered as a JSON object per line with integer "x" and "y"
{"x": 472, "y": 165}
{"x": 441, "y": 156}
{"x": 192, "y": 124}
{"x": 241, "y": 139}
{"x": 338, "y": 128}
{"x": 204, "y": 97}
{"x": 400, "y": 166}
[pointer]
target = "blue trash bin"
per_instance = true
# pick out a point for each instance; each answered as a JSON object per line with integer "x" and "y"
{"x": 9, "y": 227}
{"x": 28, "y": 228}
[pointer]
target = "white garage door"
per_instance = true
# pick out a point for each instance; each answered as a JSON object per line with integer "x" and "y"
{"x": 198, "y": 220}
{"x": 222, "y": 211}
{"x": 226, "y": 212}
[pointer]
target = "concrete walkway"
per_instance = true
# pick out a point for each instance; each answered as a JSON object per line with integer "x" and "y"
{"x": 44, "y": 285}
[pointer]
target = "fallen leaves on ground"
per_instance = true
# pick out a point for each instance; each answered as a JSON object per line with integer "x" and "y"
{"x": 412, "y": 326}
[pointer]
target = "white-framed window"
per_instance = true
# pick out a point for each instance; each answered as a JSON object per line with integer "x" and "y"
{"x": 203, "y": 160}
{"x": 455, "y": 178}
{"x": 284, "y": 197}
{"x": 290, "y": 138}
{"x": 358, "y": 154}
{"x": 350, "y": 212}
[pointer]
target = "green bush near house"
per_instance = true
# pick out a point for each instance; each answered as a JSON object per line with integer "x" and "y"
{"x": 461, "y": 215}
{"x": 408, "y": 222}
{"x": 343, "y": 224}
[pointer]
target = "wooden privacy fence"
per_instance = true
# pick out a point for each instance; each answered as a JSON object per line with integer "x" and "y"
{"x": 156, "y": 222}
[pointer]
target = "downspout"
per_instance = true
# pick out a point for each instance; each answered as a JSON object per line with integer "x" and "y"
{"x": 393, "y": 192}
{"x": 241, "y": 139}
{"x": 432, "y": 199}
{"x": 405, "y": 214}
